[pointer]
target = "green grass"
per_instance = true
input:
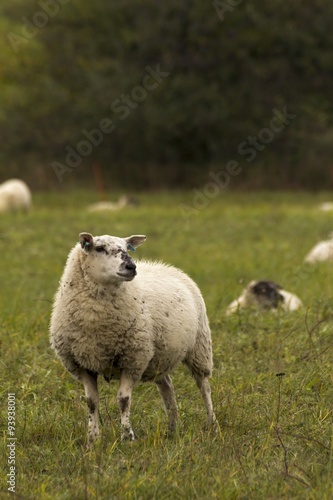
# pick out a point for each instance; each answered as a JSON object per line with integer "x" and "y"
{"x": 275, "y": 438}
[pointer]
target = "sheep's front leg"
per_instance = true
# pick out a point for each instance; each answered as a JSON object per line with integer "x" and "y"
{"x": 168, "y": 395}
{"x": 124, "y": 398}
{"x": 89, "y": 380}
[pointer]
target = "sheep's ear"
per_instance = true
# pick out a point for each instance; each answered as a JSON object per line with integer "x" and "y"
{"x": 135, "y": 241}
{"x": 86, "y": 242}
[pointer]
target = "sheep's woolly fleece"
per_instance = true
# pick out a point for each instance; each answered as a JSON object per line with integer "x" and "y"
{"x": 107, "y": 321}
{"x": 321, "y": 252}
{"x": 14, "y": 196}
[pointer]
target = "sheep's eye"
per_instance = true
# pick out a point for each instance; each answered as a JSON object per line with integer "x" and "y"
{"x": 100, "y": 249}
{"x": 116, "y": 251}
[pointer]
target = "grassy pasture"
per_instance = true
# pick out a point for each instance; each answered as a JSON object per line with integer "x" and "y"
{"x": 275, "y": 438}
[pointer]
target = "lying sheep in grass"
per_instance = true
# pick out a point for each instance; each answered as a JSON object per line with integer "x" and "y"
{"x": 326, "y": 206}
{"x": 265, "y": 295}
{"x": 105, "y": 322}
{"x": 101, "y": 206}
{"x": 321, "y": 252}
{"x": 14, "y": 196}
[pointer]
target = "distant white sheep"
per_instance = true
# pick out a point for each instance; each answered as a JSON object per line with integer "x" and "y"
{"x": 321, "y": 252}
{"x": 326, "y": 206}
{"x": 105, "y": 322}
{"x": 265, "y": 295}
{"x": 14, "y": 196}
{"x": 101, "y": 206}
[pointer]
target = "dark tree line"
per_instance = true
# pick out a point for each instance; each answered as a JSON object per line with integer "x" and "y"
{"x": 161, "y": 93}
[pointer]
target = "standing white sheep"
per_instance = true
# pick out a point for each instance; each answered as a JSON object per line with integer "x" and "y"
{"x": 14, "y": 196}
{"x": 105, "y": 322}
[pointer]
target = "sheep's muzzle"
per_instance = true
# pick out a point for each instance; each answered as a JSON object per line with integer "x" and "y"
{"x": 127, "y": 269}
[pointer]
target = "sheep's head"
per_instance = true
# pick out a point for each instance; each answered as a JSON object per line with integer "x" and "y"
{"x": 106, "y": 258}
{"x": 267, "y": 293}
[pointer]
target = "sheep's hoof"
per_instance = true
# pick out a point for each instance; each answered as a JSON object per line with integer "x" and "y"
{"x": 170, "y": 433}
{"x": 212, "y": 425}
{"x": 90, "y": 444}
{"x": 92, "y": 439}
{"x": 127, "y": 435}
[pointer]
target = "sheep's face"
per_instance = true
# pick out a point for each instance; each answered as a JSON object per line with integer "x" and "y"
{"x": 266, "y": 293}
{"x": 106, "y": 260}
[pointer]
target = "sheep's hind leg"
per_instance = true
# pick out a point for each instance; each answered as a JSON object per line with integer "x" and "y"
{"x": 89, "y": 380}
{"x": 204, "y": 386}
{"x": 168, "y": 395}
{"x": 124, "y": 398}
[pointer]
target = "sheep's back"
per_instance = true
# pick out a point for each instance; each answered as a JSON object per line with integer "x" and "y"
{"x": 321, "y": 252}
{"x": 174, "y": 300}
